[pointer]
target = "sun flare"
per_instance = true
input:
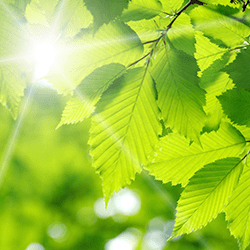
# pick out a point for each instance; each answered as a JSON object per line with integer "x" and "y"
{"x": 43, "y": 55}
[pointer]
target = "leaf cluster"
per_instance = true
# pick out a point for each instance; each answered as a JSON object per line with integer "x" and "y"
{"x": 166, "y": 86}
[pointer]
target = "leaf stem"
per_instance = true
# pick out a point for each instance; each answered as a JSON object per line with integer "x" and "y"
{"x": 182, "y": 10}
{"x": 163, "y": 34}
{"x": 130, "y": 65}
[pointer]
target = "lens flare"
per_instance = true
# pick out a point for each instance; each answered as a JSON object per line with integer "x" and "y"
{"x": 43, "y": 55}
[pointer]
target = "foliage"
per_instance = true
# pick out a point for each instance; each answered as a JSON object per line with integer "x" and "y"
{"x": 166, "y": 85}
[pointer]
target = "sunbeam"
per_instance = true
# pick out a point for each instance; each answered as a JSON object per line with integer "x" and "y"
{"x": 10, "y": 146}
{"x": 103, "y": 121}
{"x": 43, "y": 54}
{"x": 14, "y": 17}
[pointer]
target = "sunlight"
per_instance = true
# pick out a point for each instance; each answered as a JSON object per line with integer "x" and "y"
{"x": 35, "y": 246}
{"x": 57, "y": 231}
{"x": 125, "y": 202}
{"x": 43, "y": 55}
{"x": 125, "y": 241}
{"x": 10, "y": 146}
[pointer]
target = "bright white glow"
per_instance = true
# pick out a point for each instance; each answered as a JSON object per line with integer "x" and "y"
{"x": 154, "y": 240}
{"x": 124, "y": 241}
{"x": 43, "y": 55}
{"x": 57, "y": 231}
{"x": 127, "y": 202}
{"x": 35, "y": 246}
{"x": 101, "y": 211}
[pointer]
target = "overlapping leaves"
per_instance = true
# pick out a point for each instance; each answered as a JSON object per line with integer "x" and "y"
{"x": 112, "y": 43}
{"x": 238, "y": 210}
{"x": 239, "y": 69}
{"x": 88, "y": 93}
{"x": 191, "y": 80}
{"x": 176, "y": 160}
{"x": 14, "y": 41}
{"x": 124, "y": 130}
{"x": 206, "y": 194}
{"x": 179, "y": 96}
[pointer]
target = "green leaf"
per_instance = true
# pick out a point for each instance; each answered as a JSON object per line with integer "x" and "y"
{"x": 238, "y": 210}
{"x": 41, "y": 11}
{"x": 73, "y": 15}
{"x": 215, "y": 83}
{"x": 14, "y": 43}
{"x": 176, "y": 160}
{"x": 171, "y": 6}
{"x": 245, "y": 131}
{"x": 88, "y": 93}
{"x": 19, "y": 4}
{"x": 113, "y": 43}
{"x": 236, "y": 105}
{"x": 179, "y": 96}
{"x": 141, "y": 9}
{"x": 206, "y": 194}
{"x": 145, "y": 29}
{"x": 206, "y": 51}
{"x": 182, "y": 34}
{"x": 124, "y": 130}
{"x": 219, "y": 25}
{"x": 105, "y": 11}
{"x": 239, "y": 69}
{"x": 67, "y": 17}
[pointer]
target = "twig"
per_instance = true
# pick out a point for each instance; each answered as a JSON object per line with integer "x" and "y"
{"x": 156, "y": 41}
{"x": 245, "y": 5}
{"x": 183, "y": 9}
{"x": 139, "y": 60}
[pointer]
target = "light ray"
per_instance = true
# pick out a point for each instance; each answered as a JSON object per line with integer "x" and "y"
{"x": 54, "y": 28}
{"x": 14, "y": 18}
{"x": 166, "y": 196}
{"x": 99, "y": 117}
{"x": 43, "y": 54}
{"x": 10, "y": 146}
{"x": 13, "y": 59}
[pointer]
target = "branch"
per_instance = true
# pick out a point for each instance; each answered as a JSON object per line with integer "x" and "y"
{"x": 156, "y": 41}
{"x": 138, "y": 60}
{"x": 245, "y": 5}
{"x": 183, "y": 9}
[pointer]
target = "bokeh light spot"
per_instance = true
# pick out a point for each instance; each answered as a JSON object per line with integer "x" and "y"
{"x": 57, "y": 231}
{"x": 125, "y": 202}
{"x": 125, "y": 241}
{"x": 35, "y": 246}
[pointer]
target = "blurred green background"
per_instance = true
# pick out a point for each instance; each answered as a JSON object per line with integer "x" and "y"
{"x": 51, "y": 198}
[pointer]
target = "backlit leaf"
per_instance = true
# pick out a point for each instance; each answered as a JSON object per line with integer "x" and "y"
{"x": 239, "y": 69}
{"x": 206, "y": 51}
{"x": 88, "y": 93}
{"x": 141, "y": 9}
{"x": 238, "y": 210}
{"x": 219, "y": 25}
{"x": 182, "y": 34}
{"x": 112, "y": 43}
{"x": 215, "y": 83}
{"x": 171, "y": 6}
{"x": 105, "y": 11}
{"x": 236, "y": 105}
{"x": 179, "y": 96}
{"x": 206, "y": 194}
{"x": 176, "y": 160}
{"x": 14, "y": 43}
{"x": 124, "y": 130}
